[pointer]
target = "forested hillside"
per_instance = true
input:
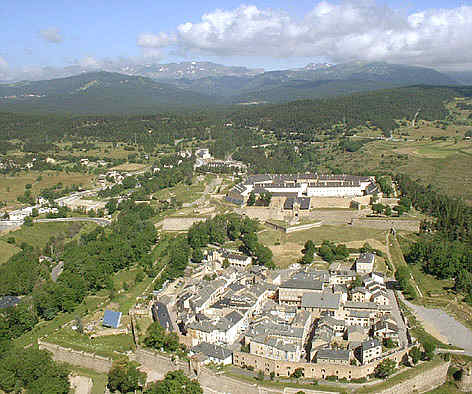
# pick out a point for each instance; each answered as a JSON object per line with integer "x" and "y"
{"x": 380, "y": 108}
{"x": 98, "y": 92}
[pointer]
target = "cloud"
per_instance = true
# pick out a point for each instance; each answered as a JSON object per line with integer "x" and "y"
{"x": 338, "y": 31}
{"x": 51, "y": 34}
{"x": 89, "y": 62}
{"x": 148, "y": 40}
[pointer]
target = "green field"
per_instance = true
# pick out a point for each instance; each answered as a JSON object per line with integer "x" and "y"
{"x": 6, "y": 251}
{"x": 99, "y": 380}
{"x": 40, "y": 233}
{"x": 401, "y": 377}
{"x": 107, "y": 346}
{"x": 12, "y": 187}
{"x": 286, "y": 248}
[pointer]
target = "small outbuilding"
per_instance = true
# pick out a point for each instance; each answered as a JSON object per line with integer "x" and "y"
{"x": 111, "y": 319}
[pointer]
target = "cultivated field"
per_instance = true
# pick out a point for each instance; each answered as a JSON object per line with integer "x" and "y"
{"x": 12, "y": 187}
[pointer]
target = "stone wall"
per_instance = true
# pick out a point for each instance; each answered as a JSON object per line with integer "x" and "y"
{"x": 159, "y": 363}
{"x": 387, "y": 224}
{"x": 179, "y": 224}
{"x": 311, "y": 370}
{"x": 78, "y": 358}
{"x": 209, "y": 380}
{"x": 338, "y": 202}
{"x": 302, "y": 227}
{"x": 421, "y": 383}
{"x": 292, "y": 229}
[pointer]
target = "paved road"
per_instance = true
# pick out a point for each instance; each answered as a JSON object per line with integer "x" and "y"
{"x": 161, "y": 314}
{"x": 398, "y": 318}
{"x": 100, "y": 221}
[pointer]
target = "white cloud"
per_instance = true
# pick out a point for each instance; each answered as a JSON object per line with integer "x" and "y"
{"x": 148, "y": 40}
{"x": 51, "y": 34}
{"x": 338, "y": 31}
{"x": 89, "y": 62}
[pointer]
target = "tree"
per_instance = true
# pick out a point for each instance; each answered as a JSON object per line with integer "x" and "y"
{"x": 429, "y": 349}
{"x": 263, "y": 254}
{"x": 260, "y": 375}
{"x": 251, "y": 199}
{"x": 388, "y": 211}
{"x": 125, "y": 377}
{"x": 400, "y": 209}
{"x": 357, "y": 282}
{"x": 175, "y": 382}
{"x": 197, "y": 255}
{"x": 33, "y": 370}
{"x": 415, "y": 355}
{"x": 388, "y": 343}
{"x": 139, "y": 277}
{"x": 28, "y": 221}
{"x": 385, "y": 368}
{"x": 298, "y": 373}
{"x": 225, "y": 263}
{"x": 158, "y": 338}
{"x": 463, "y": 281}
{"x": 378, "y": 208}
{"x": 308, "y": 252}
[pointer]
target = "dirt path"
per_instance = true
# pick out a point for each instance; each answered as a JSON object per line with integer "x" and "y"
{"x": 81, "y": 384}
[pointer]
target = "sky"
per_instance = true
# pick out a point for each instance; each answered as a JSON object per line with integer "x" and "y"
{"x": 37, "y": 35}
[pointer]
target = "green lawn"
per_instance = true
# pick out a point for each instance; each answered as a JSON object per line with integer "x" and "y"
{"x": 106, "y": 346}
{"x": 127, "y": 298}
{"x": 6, "y": 251}
{"x": 446, "y": 388}
{"x": 12, "y": 187}
{"x": 99, "y": 380}
{"x": 401, "y": 377}
{"x": 279, "y": 385}
{"x": 342, "y": 233}
{"x": 38, "y": 234}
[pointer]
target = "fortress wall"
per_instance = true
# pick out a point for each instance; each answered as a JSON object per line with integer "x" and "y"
{"x": 78, "y": 358}
{"x": 387, "y": 224}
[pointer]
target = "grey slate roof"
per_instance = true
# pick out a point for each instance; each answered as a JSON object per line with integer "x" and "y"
{"x": 366, "y": 258}
{"x": 321, "y": 300}
{"x": 302, "y": 284}
{"x": 304, "y": 202}
{"x": 9, "y": 301}
{"x": 332, "y": 354}
{"x": 370, "y": 344}
{"x": 211, "y": 350}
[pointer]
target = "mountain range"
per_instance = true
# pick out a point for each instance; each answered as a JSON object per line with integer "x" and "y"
{"x": 195, "y": 84}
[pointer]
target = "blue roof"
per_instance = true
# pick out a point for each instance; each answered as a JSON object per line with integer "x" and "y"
{"x": 111, "y": 319}
{"x": 8, "y": 301}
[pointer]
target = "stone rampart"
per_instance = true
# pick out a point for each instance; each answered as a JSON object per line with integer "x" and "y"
{"x": 302, "y": 227}
{"x": 387, "y": 224}
{"x": 77, "y": 357}
{"x": 421, "y": 383}
{"x": 159, "y": 363}
{"x": 311, "y": 370}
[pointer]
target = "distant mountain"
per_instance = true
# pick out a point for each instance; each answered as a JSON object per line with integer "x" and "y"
{"x": 462, "y": 77}
{"x": 314, "y": 81}
{"x": 317, "y": 66}
{"x": 171, "y": 71}
{"x": 196, "y": 84}
{"x": 97, "y": 92}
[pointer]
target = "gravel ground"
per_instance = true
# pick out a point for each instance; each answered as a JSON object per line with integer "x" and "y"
{"x": 456, "y": 333}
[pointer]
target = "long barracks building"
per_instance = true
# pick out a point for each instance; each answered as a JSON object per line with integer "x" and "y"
{"x": 303, "y": 186}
